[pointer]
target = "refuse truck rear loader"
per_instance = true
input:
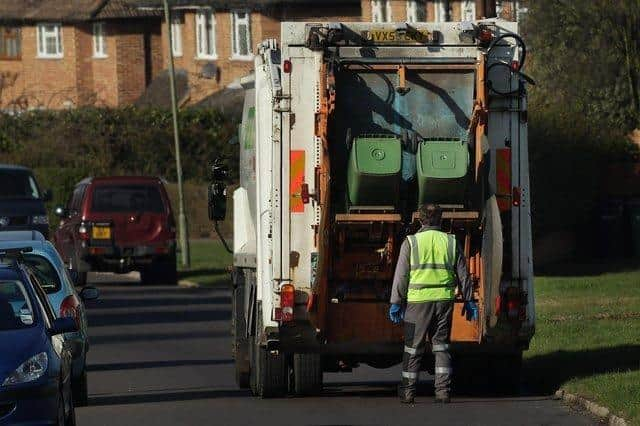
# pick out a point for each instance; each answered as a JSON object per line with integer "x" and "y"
{"x": 347, "y": 129}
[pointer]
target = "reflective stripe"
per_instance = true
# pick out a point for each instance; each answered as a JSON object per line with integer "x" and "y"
{"x": 410, "y": 350}
{"x": 444, "y": 370}
{"x": 452, "y": 250}
{"x": 438, "y": 285}
{"x": 432, "y": 276}
{"x": 408, "y": 375}
{"x": 415, "y": 256}
{"x": 429, "y": 266}
{"x": 440, "y": 348}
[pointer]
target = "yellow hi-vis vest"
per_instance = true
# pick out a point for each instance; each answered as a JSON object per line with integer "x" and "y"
{"x": 433, "y": 266}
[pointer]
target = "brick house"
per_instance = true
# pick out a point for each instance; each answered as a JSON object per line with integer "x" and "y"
{"x": 214, "y": 40}
{"x": 426, "y": 10}
{"x": 61, "y": 54}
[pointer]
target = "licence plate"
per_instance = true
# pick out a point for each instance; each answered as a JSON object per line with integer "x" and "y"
{"x": 101, "y": 233}
{"x": 391, "y": 36}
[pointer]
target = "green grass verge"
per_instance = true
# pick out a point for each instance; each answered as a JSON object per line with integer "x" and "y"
{"x": 210, "y": 263}
{"x": 588, "y": 336}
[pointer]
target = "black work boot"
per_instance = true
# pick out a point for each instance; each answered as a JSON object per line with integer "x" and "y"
{"x": 407, "y": 393}
{"x": 442, "y": 398}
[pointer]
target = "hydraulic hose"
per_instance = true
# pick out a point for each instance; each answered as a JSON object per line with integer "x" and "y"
{"x": 219, "y": 234}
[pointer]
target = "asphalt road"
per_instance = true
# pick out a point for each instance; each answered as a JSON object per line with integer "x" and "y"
{"x": 161, "y": 356}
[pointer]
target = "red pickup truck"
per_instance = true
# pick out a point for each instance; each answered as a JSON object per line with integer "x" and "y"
{"x": 119, "y": 224}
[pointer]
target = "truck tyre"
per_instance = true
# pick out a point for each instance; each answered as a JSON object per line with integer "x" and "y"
{"x": 238, "y": 330}
{"x": 307, "y": 374}
{"x": 268, "y": 368}
{"x": 268, "y": 373}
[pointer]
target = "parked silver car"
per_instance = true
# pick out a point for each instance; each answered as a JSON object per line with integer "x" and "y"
{"x": 57, "y": 283}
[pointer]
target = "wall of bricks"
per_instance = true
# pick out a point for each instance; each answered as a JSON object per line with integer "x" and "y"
{"x": 399, "y": 9}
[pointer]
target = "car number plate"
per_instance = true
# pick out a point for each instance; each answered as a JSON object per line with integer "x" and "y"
{"x": 101, "y": 233}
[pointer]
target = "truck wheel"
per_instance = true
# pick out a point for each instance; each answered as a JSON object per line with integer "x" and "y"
{"x": 238, "y": 330}
{"x": 268, "y": 373}
{"x": 307, "y": 374}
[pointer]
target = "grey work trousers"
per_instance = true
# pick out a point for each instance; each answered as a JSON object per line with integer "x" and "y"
{"x": 428, "y": 321}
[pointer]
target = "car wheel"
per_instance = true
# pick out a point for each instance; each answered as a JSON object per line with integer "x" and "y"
{"x": 61, "y": 417}
{"x": 80, "y": 390}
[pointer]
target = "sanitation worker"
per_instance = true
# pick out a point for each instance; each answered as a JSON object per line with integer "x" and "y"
{"x": 424, "y": 286}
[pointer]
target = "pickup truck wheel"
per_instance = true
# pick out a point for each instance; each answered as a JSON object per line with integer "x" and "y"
{"x": 307, "y": 374}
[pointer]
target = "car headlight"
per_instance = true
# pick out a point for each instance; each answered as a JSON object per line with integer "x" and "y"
{"x": 30, "y": 370}
{"x": 40, "y": 219}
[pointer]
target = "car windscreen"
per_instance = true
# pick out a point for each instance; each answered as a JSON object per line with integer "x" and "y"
{"x": 127, "y": 198}
{"x": 18, "y": 184}
{"x": 45, "y": 272}
{"x": 16, "y": 311}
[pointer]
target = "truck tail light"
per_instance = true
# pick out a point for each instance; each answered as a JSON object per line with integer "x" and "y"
{"x": 485, "y": 35}
{"x": 515, "y": 305}
{"x": 69, "y": 308}
{"x": 517, "y": 195}
{"x": 287, "y": 302}
{"x": 83, "y": 231}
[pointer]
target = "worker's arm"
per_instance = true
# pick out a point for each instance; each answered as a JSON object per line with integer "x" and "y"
{"x": 401, "y": 277}
{"x": 464, "y": 280}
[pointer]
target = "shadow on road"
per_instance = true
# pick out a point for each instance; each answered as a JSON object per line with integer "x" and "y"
{"x": 157, "y": 364}
{"x": 154, "y": 337}
{"x": 547, "y": 373}
{"x": 158, "y": 317}
{"x": 114, "y": 303}
{"x": 166, "y": 396}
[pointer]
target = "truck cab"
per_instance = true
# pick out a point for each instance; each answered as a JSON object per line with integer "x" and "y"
{"x": 347, "y": 129}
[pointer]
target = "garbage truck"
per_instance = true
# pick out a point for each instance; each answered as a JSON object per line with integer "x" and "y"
{"x": 347, "y": 129}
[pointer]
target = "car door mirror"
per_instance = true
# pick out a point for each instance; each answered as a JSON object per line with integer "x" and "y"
{"x": 47, "y": 195}
{"x": 89, "y": 293}
{"x": 61, "y": 212}
{"x": 63, "y": 325}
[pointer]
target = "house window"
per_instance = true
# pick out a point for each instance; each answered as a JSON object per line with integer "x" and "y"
{"x": 176, "y": 34}
{"x": 440, "y": 8}
{"x": 50, "y": 41}
{"x": 416, "y": 11}
{"x": 468, "y": 10}
{"x": 99, "y": 40}
{"x": 241, "y": 37}
{"x": 10, "y": 43}
{"x": 380, "y": 10}
{"x": 206, "y": 34}
{"x": 511, "y": 10}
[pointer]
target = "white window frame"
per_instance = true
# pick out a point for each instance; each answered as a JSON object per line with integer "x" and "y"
{"x": 470, "y": 6}
{"x": 439, "y": 11}
{"x": 99, "y": 40}
{"x": 235, "y": 28}
{"x": 201, "y": 25}
{"x": 412, "y": 10}
{"x": 42, "y": 34}
{"x": 176, "y": 34}
{"x": 380, "y": 8}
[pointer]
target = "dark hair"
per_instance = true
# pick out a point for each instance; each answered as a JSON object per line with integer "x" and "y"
{"x": 430, "y": 215}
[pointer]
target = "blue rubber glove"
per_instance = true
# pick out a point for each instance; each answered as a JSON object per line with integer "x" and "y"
{"x": 470, "y": 309}
{"x": 396, "y": 313}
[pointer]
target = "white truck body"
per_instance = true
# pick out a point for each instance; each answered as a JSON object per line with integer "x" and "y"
{"x": 278, "y": 210}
